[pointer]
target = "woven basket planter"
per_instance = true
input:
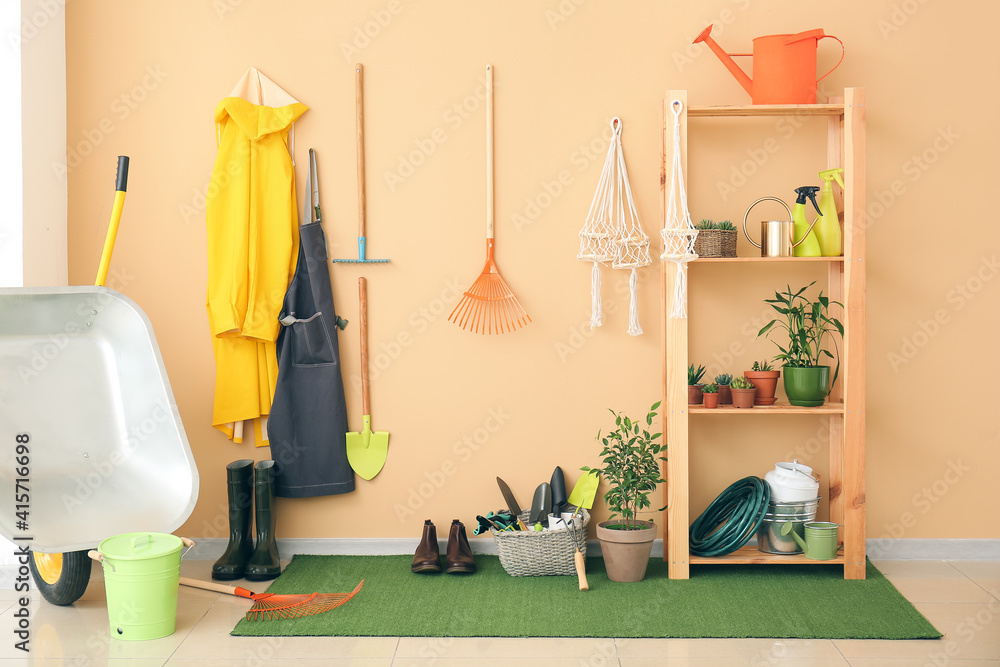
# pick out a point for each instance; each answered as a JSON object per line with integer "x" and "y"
{"x": 544, "y": 553}
{"x": 715, "y": 243}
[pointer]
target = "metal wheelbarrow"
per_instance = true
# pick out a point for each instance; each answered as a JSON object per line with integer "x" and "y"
{"x": 91, "y": 442}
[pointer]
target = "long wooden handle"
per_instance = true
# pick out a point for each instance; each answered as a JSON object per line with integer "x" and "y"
{"x": 363, "y": 305}
{"x": 218, "y": 588}
{"x": 489, "y": 151}
{"x": 360, "y": 112}
{"x": 581, "y": 570}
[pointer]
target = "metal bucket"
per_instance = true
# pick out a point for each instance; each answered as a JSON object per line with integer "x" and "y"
{"x": 769, "y": 537}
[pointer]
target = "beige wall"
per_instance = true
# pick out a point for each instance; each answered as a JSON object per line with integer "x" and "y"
{"x": 43, "y": 127}
{"x": 563, "y": 69}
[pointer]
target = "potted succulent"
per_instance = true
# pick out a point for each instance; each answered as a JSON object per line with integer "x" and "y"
{"x": 694, "y": 384}
{"x": 765, "y": 378}
{"x": 807, "y": 324}
{"x": 711, "y": 394}
{"x": 723, "y": 380}
{"x": 743, "y": 392}
{"x": 632, "y": 470}
{"x": 715, "y": 239}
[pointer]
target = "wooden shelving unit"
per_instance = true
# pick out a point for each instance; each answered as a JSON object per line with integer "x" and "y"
{"x": 845, "y": 407}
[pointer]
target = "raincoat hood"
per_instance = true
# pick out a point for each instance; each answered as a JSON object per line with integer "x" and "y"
{"x": 259, "y": 106}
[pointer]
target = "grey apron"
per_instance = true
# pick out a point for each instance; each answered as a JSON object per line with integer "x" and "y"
{"x": 308, "y": 422}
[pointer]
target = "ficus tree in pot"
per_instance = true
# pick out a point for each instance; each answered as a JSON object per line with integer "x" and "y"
{"x": 631, "y": 457}
{"x": 808, "y": 326}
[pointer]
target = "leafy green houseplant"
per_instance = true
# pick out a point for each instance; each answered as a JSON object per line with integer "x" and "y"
{"x": 694, "y": 384}
{"x": 765, "y": 378}
{"x": 808, "y": 326}
{"x": 725, "y": 395}
{"x": 631, "y": 457}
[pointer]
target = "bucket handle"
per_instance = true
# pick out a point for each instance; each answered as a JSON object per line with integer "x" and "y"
{"x": 747, "y": 215}
{"x": 99, "y": 557}
{"x": 843, "y": 52}
{"x": 94, "y": 554}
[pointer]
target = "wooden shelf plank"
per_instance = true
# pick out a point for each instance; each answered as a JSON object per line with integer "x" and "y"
{"x": 767, "y": 110}
{"x": 779, "y": 408}
{"x": 750, "y": 555}
{"x": 703, "y": 260}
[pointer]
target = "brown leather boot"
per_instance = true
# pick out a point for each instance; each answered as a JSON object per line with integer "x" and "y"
{"x": 427, "y": 557}
{"x": 459, "y": 558}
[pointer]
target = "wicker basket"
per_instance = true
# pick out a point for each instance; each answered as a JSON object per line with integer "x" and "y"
{"x": 538, "y": 554}
{"x": 715, "y": 243}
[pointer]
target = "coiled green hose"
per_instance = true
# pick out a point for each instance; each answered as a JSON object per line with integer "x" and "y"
{"x": 731, "y": 519}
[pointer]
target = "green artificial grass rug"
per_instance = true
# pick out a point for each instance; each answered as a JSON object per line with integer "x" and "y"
{"x": 801, "y": 601}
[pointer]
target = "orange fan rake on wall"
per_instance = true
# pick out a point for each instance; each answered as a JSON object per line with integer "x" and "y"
{"x": 489, "y": 306}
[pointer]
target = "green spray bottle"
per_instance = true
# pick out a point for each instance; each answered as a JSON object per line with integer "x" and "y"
{"x": 805, "y": 241}
{"x": 827, "y": 228}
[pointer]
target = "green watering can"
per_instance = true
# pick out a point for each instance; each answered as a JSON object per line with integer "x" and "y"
{"x": 821, "y": 539}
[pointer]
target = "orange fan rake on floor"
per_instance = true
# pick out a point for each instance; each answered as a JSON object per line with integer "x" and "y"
{"x": 272, "y": 606}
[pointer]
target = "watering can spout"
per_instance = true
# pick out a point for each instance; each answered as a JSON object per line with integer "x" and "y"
{"x": 734, "y": 69}
{"x": 788, "y": 529}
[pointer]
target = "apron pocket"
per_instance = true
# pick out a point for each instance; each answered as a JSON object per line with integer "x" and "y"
{"x": 311, "y": 344}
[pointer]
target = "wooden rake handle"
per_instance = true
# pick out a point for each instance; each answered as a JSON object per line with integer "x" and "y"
{"x": 363, "y": 307}
{"x": 489, "y": 151}
{"x": 218, "y": 588}
{"x": 360, "y": 112}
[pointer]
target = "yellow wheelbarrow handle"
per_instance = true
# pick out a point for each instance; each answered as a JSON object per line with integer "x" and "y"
{"x": 116, "y": 215}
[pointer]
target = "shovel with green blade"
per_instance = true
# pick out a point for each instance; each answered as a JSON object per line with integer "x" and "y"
{"x": 366, "y": 451}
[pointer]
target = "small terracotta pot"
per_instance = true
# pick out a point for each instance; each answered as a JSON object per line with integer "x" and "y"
{"x": 743, "y": 398}
{"x": 766, "y": 383}
{"x": 711, "y": 400}
{"x": 725, "y": 395}
{"x": 694, "y": 394}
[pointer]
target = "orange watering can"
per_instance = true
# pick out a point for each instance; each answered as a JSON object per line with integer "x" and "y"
{"x": 784, "y": 66}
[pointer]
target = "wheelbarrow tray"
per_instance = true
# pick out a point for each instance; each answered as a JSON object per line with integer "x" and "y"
{"x": 81, "y": 375}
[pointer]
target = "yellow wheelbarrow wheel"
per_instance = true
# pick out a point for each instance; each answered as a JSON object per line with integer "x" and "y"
{"x": 61, "y": 578}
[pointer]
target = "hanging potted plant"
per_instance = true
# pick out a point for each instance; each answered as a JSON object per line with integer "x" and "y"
{"x": 765, "y": 378}
{"x": 722, "y": 380}
{"x": 694, "y": 384}
{"x": 711, "y": 394}
{"x": 632, "y": 470}
{"x": 743, "y": 393}
{"x": 807, "y": 325}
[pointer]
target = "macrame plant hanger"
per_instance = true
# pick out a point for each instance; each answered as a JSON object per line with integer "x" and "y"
{"x": 631, "y": 245}
{"x": 678, "y": 231}
{"x": 613, "y": 233}
{"x": 595, "y": 237}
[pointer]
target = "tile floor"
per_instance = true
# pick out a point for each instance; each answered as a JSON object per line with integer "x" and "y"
{"x": 961, "y": 598}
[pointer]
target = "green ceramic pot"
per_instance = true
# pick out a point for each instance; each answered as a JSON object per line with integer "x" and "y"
{"x": 806, "y": 386}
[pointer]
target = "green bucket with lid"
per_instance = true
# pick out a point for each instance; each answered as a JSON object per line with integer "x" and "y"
{"x": 141, "y": 575}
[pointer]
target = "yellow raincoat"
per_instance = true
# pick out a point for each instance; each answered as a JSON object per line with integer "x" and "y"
{"x": 252, "y": 247}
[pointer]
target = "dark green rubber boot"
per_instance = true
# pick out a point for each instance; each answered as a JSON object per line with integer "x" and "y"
{"x": 264, "y": 563}
{"x": 232, "y": 565}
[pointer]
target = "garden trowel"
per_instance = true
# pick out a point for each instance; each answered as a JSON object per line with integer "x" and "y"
{"x": 584, "y": 491}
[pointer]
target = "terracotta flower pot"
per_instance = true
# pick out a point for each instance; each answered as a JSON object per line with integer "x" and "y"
{"x": 725, "y": 395}
{"x": 711, "y": 400}
{"x": 694, "y": 394}
{"x": 766, "y": 383}
{"x": 626, "y": 552}
{"x": 743, "y": 398}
